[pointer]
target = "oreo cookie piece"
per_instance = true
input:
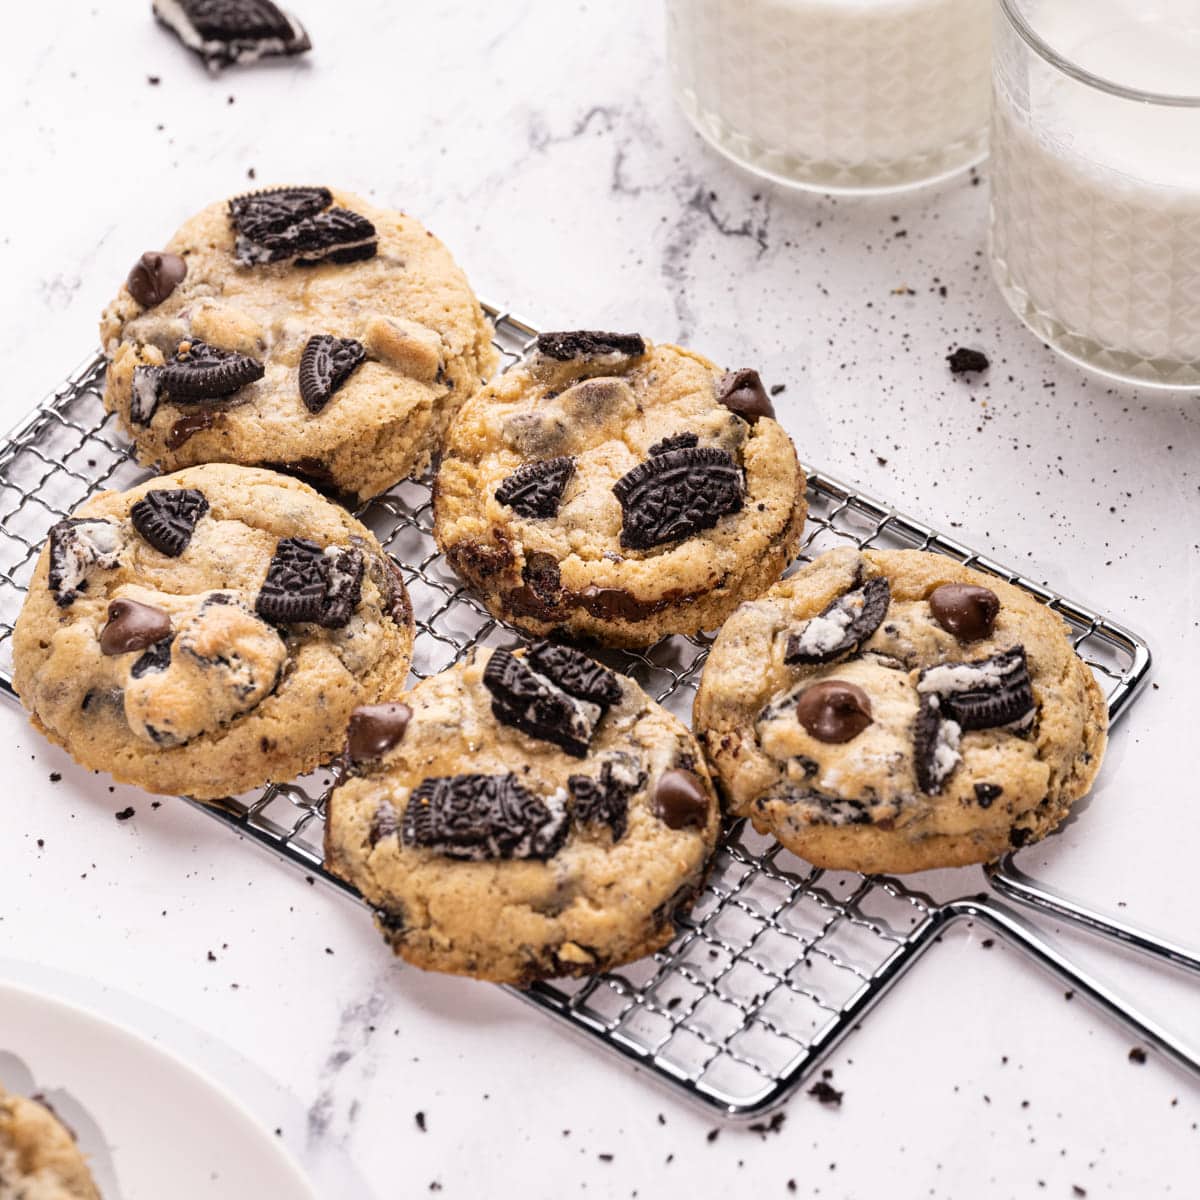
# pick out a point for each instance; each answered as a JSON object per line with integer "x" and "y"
{"x": 326, "y": 364}
{"x": 296, "y": 225}
{"x": 604, "y": 799}
{"x": 272, "y": 210}
{"x": 156, "y": 658}
{"x": 677, "y": 441}
{"x": 989, "y": 693}
{"x": 576, "y": 673}
{"x": 167, "y": 518}
{"x": 482, "y": 817}
{"x": 305, "y": 583}
{"x": 198, "y": 373}
{"x": 539, "y": 705}
{"x": 535, "y": 490}
{"x": 78, "y": 547}
{"x": 677, "y": 494}
{"x": 222, "y": 32}
{"x": 935, "y": 745}
{"x": 841, "y": 627}
{"x": 590, "y": 346}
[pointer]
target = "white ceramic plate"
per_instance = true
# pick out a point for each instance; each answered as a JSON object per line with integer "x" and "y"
{"x": 150, "y": 1125}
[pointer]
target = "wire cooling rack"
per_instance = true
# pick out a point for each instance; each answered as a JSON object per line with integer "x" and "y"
{"x": 777, "y": 961}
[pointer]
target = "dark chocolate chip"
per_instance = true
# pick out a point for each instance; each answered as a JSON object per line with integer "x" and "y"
{"x": 842, "y": 626}
{"x": 155, "y": 276}
{"x": 166, "y": 518}
{"x": 535, "y": 490}
{"x": 678, "y": 441}
{"x": 985, "y": 793}
{"x": 79, "y": 545}
{"x": 189, "y": 424}
{"x": 680, "y": 800}
{"x": 133, "y": 626}
{"x": 374, "y": 729}
{"x": 587, "y": 344}
{"x": 482, "y": 817}
{"x": 326, "y": 364}
{"x": 965, "y": 610}
{"x": 222, "y": 32}
{"x": 605, "y": 799}
{"x": 306, "y": 583}
{"x": 677, "y": 494}
{"x": 834, "y": 710}
{"x": 964, "y": 360}
{"x": 742, "y": 392}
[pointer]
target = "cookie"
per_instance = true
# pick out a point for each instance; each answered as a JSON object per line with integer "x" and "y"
{"x": 895, "y": 711}
{"x": 522, "y": 816}
{"x": 222, "y": 32}
{"x": 300, "y": 329}
{"x": 39, "y": 1159}
{"x": 618, "y": 490}
{"x": 208, "y": 631}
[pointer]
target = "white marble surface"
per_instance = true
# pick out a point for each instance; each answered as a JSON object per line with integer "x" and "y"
{"x": 538, "y": 138}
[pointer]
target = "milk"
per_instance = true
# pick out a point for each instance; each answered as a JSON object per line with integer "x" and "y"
{"x": 1096, "y": 198}
{"x": 837, "y": 94}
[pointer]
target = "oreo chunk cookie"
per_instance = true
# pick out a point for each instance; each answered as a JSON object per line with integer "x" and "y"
{"x": 297, "y": 225}
{"x": 480, "y": 817}
{"x": 306, "y": 583}
{"x": 673, "y": 495}
{"x": 841, "y": 627}
{"x": 535, "y": 490}
{"x": 573, "y": 354}
{"x": 77, "y": 548}
{"x": 198, "y": 373}
{"x": 223, "y": 32}
{"x": 604, "y": 799}
{"x": 167, "y": 518}
{"x": 326, "y": 364}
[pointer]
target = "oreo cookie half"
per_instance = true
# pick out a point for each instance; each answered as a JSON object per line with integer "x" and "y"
{"x": 222, "y": 32}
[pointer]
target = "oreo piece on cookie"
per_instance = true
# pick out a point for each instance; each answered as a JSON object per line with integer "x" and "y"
{"x": 326, "y": 364}
{"x": 156, "y": 658}
{"x": 573, "y": 354}
{"x": 256, "y": 215}
{"x": 222, "y": 32}
{"x": 535, "y": 490}
{"x": 989, "y": 693}
{"x": 78, "y": 547}
{"x": 677, "y": 441}
{"x": 198, "y": 373}
{"x": 676, "y": 494}
{"x": 481, "y": 817}
{"x": 604, "y": 799}
{"x": 296, "y": 225}
{"x": 841, "y": 627}
{"x": 306, "y": 583}
{"x": 166, "y": 518}
{"x": 935, "y": 745}
{"x": 576, "y": 673}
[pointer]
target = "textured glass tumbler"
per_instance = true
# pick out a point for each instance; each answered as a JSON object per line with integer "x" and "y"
{"x": 836, "y": 95}
{"x": 1095, "y": 212}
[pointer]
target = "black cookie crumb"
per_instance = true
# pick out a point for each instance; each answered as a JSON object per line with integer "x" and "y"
{"x": 963, "y": 361}
{"x": 826, "y": 1094}
{"x": 125, "y": 813}
{"x": 1137, "y": 1055}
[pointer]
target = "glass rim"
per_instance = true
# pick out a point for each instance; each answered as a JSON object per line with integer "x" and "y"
{"x": 1056, "y": 59}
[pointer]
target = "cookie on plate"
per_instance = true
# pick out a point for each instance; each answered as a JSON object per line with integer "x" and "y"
{"x": 39, "y": 1159}
{"x": 297, "y": 328}
{"x": 522, "y": 816}
{"x": 895, "y": 711}
{"x": 618, "y": 490}
{"x": 207, "y": 631}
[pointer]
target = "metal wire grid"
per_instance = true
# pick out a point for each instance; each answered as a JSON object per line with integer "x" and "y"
{"x": 777, "y": 961}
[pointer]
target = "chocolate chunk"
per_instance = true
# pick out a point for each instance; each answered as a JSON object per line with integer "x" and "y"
{"x": 965, "y": 610}
{"x": 935, "y": 746}
{"x": 166, "y": 518}
{"x": 310, "y": 236}
{"x": 155, "y": 276}
{"x": 680, "y": 800}
{"x": 589, "y": 345}
{"x": 742, "y": 392}
{"x": 842, "y": 626}
{"x": 483, "y": 817}
{"x": 374, "y": 729}
{"x": 834, "y": 710}
{"x": 535, "y": 490}
{"x": 964, "y": 360}
{"x": 133, "y": 626}
{"x": 306, "y": 583}
{"x": 538, "y": 705}
{"x": 222, "y": 32}
{"x": 189, "y": 424}
{"x": 985, "y": 793}
{"x": 678, "y": 441}
{"x": 986, "y": 694}
{"x": 156, "y": 658}
{"x": 677, "y": 494}
{"x": 77, "y": 547}
{"x": 576, "y": 673}
{"x": 326, "y": 364}
{"x": 198, "y": 373}
{"x": 604, "y": 800}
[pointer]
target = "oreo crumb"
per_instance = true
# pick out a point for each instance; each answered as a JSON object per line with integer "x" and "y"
{"x": 420, "y": 1118}
{"x": 125, "y": 813}
{"x": 55, "y": 777}
{"x": 774, "y": 1125}
{"x": 1076, "y": 1190}
{"x": 988, "y": 943}
{"x": 41, "y": 843}
{"x": 1137, "y": 1055}
{"x": 605, "y": 1157}
{"x": 791, "y": 1185}
{"x": 964, "y": 360}
{"x": 153, "y": 80}
{"x": 776, "y": 388}
{"x": 1069, "y": 995}
{"x": 661, "y": 1119}
{"x": 826, "y": 1094}
{"x": 713, "y": 1134}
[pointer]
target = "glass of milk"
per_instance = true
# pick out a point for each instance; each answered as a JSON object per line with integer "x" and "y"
{"x": 837, "y": 95}
{"x": 1095, "y": 218}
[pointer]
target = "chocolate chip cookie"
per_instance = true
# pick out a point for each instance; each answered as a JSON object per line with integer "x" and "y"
{"x": 39, "y": 1159}
{"x": 895, "y": 711}
{"x": 297, "y": 328}
{"x": 522, "y": 816}
{"x": 620, "y": 490}
{"x": 209, "y": 630}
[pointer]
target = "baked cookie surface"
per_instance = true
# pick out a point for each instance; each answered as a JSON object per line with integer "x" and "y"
{"x": 523, "y": 816}
{"x": 296, "y": 328}
{"x": 892, "y": 711}
{"x": 39, "y": 1159}
{"x": 209, "y": 630}
{"x": 619, "y": 490}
